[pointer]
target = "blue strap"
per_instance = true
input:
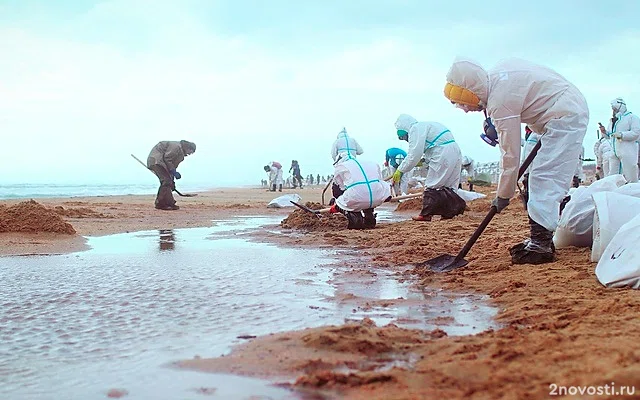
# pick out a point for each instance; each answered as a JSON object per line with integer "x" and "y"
{"x": 433, "y": 143}
{"x": 348, "y": 149}
{"x": 365, "y": 182}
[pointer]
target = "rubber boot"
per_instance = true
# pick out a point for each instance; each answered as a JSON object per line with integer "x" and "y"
{"x": 355, "y": 219}
{"x": 273, "y": 187}
{"x": 280, "y": 188}
{"x": 537, "y": 250}
{"x": 470, "y": 187}
{"x": 576, "y": 182}
{"x": 369, "y": 218}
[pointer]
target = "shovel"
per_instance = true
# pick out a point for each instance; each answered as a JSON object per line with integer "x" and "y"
{"x": 324, "y": 210}
{"x": 312, "y": 211}
{"x": 447, "y": 262}
{"x": 174, "y": 188}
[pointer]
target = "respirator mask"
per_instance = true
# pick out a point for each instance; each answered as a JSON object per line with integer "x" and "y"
{"x": 490, "y": 135}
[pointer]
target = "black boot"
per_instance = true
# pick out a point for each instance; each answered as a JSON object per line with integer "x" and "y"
{"x": 537, "y": 250}
{"x": 279, "y": 188}
{"x": 369, "y": 218}
{"x": 470, "y": 187}
{"x": 355, "y": 219}
{"x": 273, "y": 187}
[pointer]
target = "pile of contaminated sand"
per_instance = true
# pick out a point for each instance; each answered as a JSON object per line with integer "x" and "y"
{"x": 410, "y": 205}
{"x": 79, "y": 212}
{"x": 30, "y": 216}
{"x": 300, "y": 219}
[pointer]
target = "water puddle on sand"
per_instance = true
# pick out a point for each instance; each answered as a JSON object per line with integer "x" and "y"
{"x": 76, "y": 326}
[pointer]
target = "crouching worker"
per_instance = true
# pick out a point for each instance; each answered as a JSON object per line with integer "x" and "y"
{"x": 358, "y": 188}
{"x": 163, "y": 160}
{"x": 274, "y": 170}
{"x": 443, "y": 160}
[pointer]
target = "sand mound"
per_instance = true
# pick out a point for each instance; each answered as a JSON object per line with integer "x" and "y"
{"x": 411, "y": 204}
{"x": 30, "y": 216}
{"x": 300, "y": 219}
{"x": 80, "y": 212}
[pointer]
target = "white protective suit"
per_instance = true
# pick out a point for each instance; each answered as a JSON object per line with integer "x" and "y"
{"x": 515, "y": 92}
{"x": 469, "y": 166}
{"x": 275, "y": 174}
{"x": 603, "y": 151}
{"x": 362, "y": 183}
{"x": 345, "y": 144}
{"x": 625, "y": 149}
{"x": 442, "y": 154}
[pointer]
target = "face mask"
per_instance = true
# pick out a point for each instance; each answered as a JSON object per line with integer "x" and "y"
{"x": 490, "y": 135}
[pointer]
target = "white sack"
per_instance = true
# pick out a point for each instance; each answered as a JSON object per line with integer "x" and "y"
{"x": 619, "y": 265}
{"x": 284, "y": 201}
{"x": 575, "y": 225}
{"x": 613, "y": 210}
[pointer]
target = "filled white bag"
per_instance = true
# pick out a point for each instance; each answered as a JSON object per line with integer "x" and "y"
{"x": 612, "y": 210}
{"x": 467, "y": 195}
{"x": 575, "y": 225}
{"x": 284, "y": 201}
{"x": 619, "y": 265}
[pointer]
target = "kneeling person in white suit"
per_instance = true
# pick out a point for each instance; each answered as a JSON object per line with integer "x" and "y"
{"x": 358, "y": 189}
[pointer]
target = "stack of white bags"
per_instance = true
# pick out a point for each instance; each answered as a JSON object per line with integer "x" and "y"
{"x": 605, "y": 216}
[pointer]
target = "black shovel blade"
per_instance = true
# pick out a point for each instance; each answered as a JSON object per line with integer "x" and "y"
{"x": 444, "y": 263}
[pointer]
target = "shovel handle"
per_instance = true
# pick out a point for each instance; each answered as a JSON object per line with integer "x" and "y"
{"x": 493, "y": 211}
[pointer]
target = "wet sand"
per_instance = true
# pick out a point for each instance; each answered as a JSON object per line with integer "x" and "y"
{"x": 105, "y": 215}
{"x": 560, "y": 326}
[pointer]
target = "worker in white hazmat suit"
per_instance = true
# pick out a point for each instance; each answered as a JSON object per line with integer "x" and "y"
{"x": 275, "y": 176}
{"x": 443, "y": 158}
{"x": 468, "y": 167}
{"x": 624, "y": 131}
{"x": 345, "y": 144}
{"x": 515, "y": 92}
{"x": 359, "y": 188}
{"x": 393, "y": 157}
{"x": 578, "y": 175}
{"x": 603, "y": 151}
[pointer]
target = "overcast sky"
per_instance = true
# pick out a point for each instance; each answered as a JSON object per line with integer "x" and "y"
{"x": 83, "y": 84}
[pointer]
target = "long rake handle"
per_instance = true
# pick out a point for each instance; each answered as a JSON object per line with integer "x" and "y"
{"x": 493, "y": 211}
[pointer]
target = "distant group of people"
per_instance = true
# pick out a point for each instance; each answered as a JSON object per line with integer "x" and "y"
{"x": 275, "y": 179}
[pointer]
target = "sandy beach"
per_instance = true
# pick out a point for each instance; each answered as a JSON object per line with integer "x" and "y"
{"x": 559, "y": 325}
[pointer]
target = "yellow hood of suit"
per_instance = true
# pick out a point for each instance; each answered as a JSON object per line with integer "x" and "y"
{"x": 467, "y": 83}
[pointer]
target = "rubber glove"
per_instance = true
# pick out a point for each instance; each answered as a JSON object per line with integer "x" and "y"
{"x": 334, "y": 209}
{"x": 386, "y": 163}
{"x": 176, "y": 174}
{"x": 420, "y": 163}
{"x": 397, "y": 176}
{"x": 617, "y": 135}
{"x": 500, "y": 204}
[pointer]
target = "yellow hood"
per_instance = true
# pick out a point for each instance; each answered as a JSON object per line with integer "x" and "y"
{"x": 467, "y": 83}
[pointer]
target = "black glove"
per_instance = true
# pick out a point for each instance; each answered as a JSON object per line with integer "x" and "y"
{"x": 500, "y": 204}
{"x": 176, "y": 174}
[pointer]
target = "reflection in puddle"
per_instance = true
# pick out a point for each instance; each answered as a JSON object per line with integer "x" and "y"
{"x": 75, "y": 326}
{"x": 167, "y": 239}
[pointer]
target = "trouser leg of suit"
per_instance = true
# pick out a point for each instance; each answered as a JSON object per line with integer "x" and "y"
{"x": 553, "y": 167}
{"x": 164, "y": 198}
{"x": 626, "y": 152}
